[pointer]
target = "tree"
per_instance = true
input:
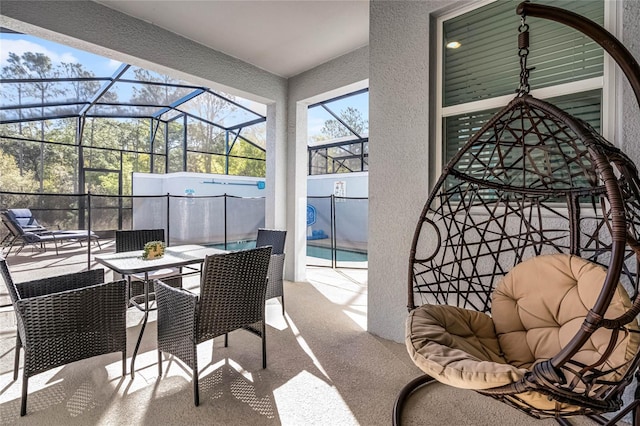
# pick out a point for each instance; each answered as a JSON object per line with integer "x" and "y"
{"x": 153, "y": 94}
{"x": 17, "y": 71}
{"x": 41, "y": 83}
{"x": 204, "y": 136}
{"x": 347, "y": 157}
{"x": 39, "y": 67}
{"x": 333, "y": 129}
{"x": 11, "y": 178}
{"x": 82, "y": 90}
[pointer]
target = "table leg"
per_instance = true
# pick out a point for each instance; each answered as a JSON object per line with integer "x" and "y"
{"x": 144, "y": 323}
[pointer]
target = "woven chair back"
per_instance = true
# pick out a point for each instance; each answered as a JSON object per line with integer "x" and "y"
{"x": 232, "y": 291}
{"x": 136, "y": 239}
{"x": 8, "y": 281}
{"x": 272, "y": 237}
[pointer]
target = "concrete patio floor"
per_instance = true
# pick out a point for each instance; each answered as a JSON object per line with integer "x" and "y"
{"x": 323, "y": 368}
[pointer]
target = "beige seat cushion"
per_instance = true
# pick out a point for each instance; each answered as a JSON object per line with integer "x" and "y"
{"x": 537, "y": 308}
{"x": 543, "y": 302}
{"x": 458, "y": 347}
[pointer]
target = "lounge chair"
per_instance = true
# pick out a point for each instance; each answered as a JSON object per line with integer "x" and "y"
{"x": 18, "y": 235}
{"x": 23, "y": 218}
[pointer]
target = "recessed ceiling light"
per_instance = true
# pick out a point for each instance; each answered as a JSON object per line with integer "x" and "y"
{"x": 453, "y": 45}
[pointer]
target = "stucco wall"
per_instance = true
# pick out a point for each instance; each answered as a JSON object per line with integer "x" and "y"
{"x": 398, "y": 152}
{"x": 630, "y": 140}
{"x": 399, "y": 174}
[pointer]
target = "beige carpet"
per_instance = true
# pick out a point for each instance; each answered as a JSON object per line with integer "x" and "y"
{"x": 323, "y": 369}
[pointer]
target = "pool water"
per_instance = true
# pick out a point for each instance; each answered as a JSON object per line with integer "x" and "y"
{"x": 236, "y": 245}
{"x": 312, "y": 251}
{"x": 341, "y": 254}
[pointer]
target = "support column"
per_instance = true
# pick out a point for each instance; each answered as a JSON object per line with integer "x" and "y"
{"x": 295, "y": 268}
{"x": 276, "y": 181}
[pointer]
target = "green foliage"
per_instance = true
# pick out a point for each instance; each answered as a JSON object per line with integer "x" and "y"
{"x": 10, "y": 177}
{"x": 44, "y": 155}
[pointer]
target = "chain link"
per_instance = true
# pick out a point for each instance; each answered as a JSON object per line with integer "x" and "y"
{"x": 523, "y": 53}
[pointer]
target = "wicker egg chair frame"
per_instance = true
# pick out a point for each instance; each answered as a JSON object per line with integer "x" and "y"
{"x": 536, "y": 180}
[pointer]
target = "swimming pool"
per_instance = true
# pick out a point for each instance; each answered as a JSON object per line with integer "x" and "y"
{"x": 235, "y": 245}
{"x": 342, "y": 255}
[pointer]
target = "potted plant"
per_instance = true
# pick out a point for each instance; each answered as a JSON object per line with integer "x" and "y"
{"x": 153, "y": 250}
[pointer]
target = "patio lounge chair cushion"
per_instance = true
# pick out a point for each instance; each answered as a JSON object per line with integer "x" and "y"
{"x": 24, "y": 218}
{"x": 76, "y": 234}
{"x": 536, "y": 309}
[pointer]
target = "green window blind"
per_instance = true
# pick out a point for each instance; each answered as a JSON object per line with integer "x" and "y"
{"x": 487, "y": 65}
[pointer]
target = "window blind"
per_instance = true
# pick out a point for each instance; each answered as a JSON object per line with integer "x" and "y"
{"x": 487, "y": 64}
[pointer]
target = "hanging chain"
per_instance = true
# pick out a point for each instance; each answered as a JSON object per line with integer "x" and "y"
{"x": 523, "y": 52}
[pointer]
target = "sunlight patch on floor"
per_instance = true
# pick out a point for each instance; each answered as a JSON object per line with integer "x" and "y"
{"x": 343, "y": 287}
{"x": 302, "y": 391}
{"x": 274, "y": 315}
{"x": 305, "y": 347}
{"x": 358, "y": 314}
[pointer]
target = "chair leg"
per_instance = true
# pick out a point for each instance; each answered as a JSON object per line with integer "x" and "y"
{"x": 128, "y": 291}
{"x": 264, "y": 345}
{"x": 405, "y": 393}
{"x": 23, "y": 404}
{"x": 636, "y": 410}
{"x": 196, "y": 394}
{"x": 159, "y": 363}
{"x": 16, "y": 359}
{"x": 282, "y": 299}
{"x": 124, "y": 363}
{"x": 226, "y": 340}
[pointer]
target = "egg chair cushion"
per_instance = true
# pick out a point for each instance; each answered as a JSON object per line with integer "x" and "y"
{"x": 536, "y": 309}
{"x": 458, "y": 347}
{"x": 540, "y": 305}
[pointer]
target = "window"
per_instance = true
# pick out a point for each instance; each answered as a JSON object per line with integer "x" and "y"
{"x": 479, "y": 68}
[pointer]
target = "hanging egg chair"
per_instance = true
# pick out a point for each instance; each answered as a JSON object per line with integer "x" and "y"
{"x": 523, "y": 278}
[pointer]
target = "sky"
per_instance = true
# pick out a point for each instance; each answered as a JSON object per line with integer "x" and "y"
{"x": 318, "y": 115}
{"x": 20, "y": 43}
{"x": 100, "y": 66}
{"x": 105, "y": 67}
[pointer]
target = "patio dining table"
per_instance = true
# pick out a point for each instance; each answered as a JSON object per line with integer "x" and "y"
{"x": 131, "y": 263}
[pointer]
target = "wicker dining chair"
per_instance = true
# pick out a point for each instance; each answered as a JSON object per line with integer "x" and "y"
{"x": 232, "y": 296}
{"x": 276, "y": 239}
{"x": 64, "y": 319}
{"x": 132, "y": 240}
